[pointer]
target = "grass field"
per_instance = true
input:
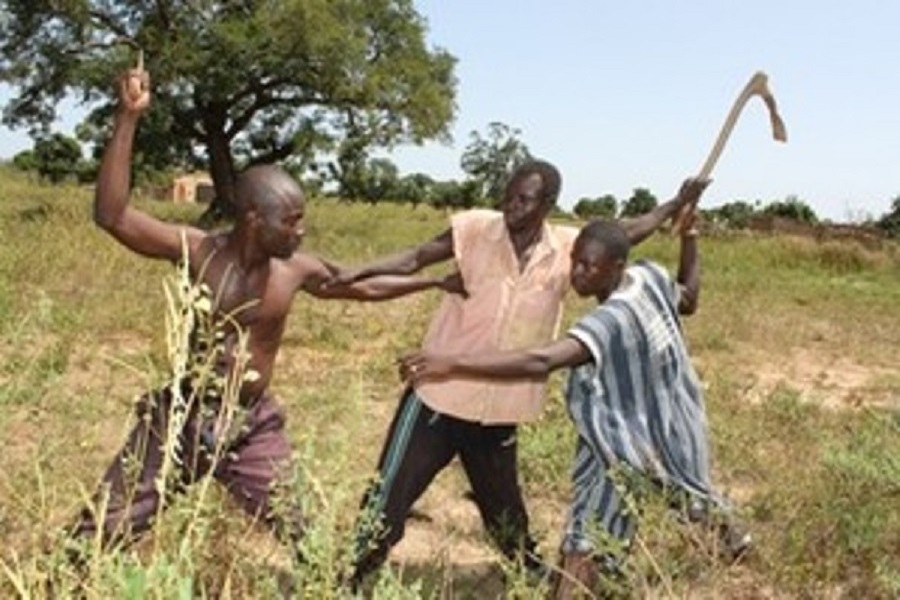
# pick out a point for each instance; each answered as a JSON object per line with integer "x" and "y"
{"x": 796, "y": 341}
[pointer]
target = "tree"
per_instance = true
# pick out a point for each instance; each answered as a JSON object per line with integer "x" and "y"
{"x": 453, "y": 194}
{"x": 641, "y": 201}
{"x": 57, "y": 157}
{"x": 417, "y": 188}
{"x": 381, "y": 180}
{"x": 348, "y": 169}
{"x": 735, "y": 215}
{"x": 603, "y": 207}
{"x": 235, "y": 83}
{"x": 25, "y": 161}
{"x": 792, "y": 208}
{"x": 489, "y": 160}
{"x": 890, "y": 222}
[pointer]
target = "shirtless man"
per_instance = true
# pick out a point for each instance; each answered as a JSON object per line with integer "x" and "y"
{"x": 252, "y": 272}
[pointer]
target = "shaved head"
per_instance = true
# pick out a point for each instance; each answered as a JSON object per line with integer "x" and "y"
{"x": 262, "y": 188}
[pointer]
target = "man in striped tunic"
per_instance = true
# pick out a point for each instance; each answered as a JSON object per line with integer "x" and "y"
{"x": 632, "y": 394}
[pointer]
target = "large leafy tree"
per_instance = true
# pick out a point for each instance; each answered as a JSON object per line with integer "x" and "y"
{"x": 236, "y": 82}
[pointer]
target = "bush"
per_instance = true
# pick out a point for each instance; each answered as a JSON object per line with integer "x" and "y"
{"x": 792, "y": 208}
{"x": 603, "y": 207}
{"x": 734, "y": 215}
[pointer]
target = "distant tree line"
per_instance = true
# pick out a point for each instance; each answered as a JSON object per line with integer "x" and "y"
{"x": 352, "y": 175}
{"x": 734, "y": 215}
{"x": 737, "y": 214}
{"x": 487, "y": 161}
{"x": 57, "y": 158}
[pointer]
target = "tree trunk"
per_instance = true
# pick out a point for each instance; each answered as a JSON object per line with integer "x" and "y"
{"x": 221, "y": 168}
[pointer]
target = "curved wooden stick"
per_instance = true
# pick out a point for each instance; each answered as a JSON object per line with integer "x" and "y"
{"x": 757, "y": 86}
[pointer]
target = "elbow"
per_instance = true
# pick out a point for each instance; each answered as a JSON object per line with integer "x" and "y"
{"x": 104, "y": 220}
{"x": 689, "y": 304}
{"x": 410, "y": 266}
{"x": 538, "y": 366}
{"x": 687, "y": 308}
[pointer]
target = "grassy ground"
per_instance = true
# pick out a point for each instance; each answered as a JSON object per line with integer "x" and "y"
{"x": 796, "y": 342}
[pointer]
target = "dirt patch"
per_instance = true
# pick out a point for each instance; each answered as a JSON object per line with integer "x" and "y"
{"x": 834, "y": 382}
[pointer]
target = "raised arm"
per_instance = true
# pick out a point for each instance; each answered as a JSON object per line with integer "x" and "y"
{"x": 640, "y": 228}
{"x": 689, "y": 268}
{"x": 534, "y": 363}
{"x": 136, "y": 230}
{"x": 406, "y": 262}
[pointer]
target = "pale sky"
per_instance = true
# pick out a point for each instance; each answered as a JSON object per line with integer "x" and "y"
{"x": 632, "y": 94}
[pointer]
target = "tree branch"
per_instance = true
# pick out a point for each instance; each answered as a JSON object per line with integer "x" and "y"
{"x": 264, "y": 100}
{"x": 276, "y": 154}
{"x": 113, "y": 25}
{"x": 162, "y": 10}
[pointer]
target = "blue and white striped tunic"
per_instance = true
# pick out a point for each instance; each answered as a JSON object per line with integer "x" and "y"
{"x": 638, "y": 404}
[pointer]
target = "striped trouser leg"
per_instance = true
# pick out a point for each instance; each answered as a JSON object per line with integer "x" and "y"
{"x": 417, "y": 447}
{"x": 600, "y": 518}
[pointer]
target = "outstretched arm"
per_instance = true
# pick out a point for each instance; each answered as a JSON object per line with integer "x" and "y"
{"x": 535, "y": 363}
{"x": 689, "y": 268}
{"x": 136, "y": 230}
{"x": 406, "y": 262}
{"x": 640, "y": 228}
{"x": 318, "y": 281}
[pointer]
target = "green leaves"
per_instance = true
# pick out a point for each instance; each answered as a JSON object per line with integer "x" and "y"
{"x": 490, "y": 159}
{"x": 226, "y": 74}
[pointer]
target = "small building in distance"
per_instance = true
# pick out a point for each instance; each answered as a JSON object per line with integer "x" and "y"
{"x": 193, "y": 187}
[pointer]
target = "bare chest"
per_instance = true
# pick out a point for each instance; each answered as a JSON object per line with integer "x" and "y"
{"x": 256, "y": 300}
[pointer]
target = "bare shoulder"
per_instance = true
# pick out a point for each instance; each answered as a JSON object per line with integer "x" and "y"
{"x": 201, "y": 245}
{"x": 307, "y": 269}
{"x": 196, "y": 238}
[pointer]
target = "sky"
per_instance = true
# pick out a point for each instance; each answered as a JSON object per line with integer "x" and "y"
{"x": 620, "y": 95}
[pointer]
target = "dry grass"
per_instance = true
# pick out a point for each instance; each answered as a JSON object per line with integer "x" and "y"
{"x": 796, "y": 342}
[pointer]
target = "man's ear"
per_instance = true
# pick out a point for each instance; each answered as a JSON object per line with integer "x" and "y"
{"x": 252, "y": 217}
